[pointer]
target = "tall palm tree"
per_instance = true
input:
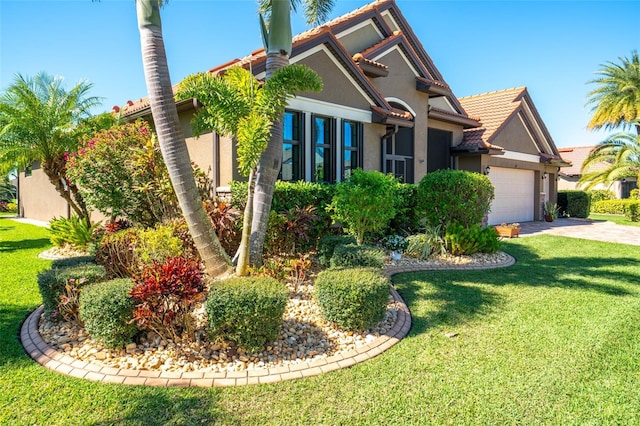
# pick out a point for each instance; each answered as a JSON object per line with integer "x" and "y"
{"x": 277, "y": 38}
{"x": 621, "y": 152}
{"x": 238, "y": 104}
{"x": 172, "y": 141}
{"x": 39, "y": 121}
{"x": 616, "y": 100}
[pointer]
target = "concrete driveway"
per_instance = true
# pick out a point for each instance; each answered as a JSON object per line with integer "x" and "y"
{"x": 584, "y": 228}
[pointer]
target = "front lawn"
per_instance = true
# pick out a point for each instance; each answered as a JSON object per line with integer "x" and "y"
{"x": 615, "y": 218}
{"x": 554, "y": 339}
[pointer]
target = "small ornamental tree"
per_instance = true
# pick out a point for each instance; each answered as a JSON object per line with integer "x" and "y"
{"x": 448, "y": 196}
{"x": 365, "y": 203}
{"x": 120, "y": 172}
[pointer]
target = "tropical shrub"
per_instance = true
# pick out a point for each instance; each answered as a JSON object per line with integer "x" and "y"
{"x": 447, "y": 196}
{"x": 328, "y": 244}
{"x": 355, "y": 299}
{"x": 635, "y": 194}
{"x": 292, "y": 231}
{"x": 365, "y": 203}
{"x": 463, "y": 240}
{"x": 426, "y": 244}
{"x": 601, "y": 194}
{"x": 408, "y": 218}
{"x": 574, "y": 203}
{"x": 164, "y": 293}
{"x": 289, "y": 198}
{"x": 106, "y": 309}
{"x": 125, "y": 253}
{"x": 12, "y": 207}
{"x": 116, "y": 253}
{"x": 73, "y": 231}
{"x": 354, "y": 255}
{"x": 60, "y": 285}
{"x": 246, "y": 310}
{"x": 121, "y": 173}
{"x": 226, "y": 220}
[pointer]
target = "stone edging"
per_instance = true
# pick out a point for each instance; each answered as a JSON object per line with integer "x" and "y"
{"x": 56, "y": 361}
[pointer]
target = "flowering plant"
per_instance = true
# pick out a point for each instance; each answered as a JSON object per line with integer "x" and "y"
{"x": 395, "y": 242}
{"x": 514, "y": 225}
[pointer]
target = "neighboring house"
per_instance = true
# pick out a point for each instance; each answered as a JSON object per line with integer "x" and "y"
{"x": 570, "y": 176}
{"x": 514, "y": 148}
{"x": 385, "y": 106}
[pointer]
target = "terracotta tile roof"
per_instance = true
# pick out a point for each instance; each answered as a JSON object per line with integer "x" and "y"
{"x": 576, "y": 156}
{"x": 359, "y": 58}
{"x": 493, "y": 110}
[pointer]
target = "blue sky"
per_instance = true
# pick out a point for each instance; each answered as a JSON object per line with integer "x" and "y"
{"x": 552, "y": 47}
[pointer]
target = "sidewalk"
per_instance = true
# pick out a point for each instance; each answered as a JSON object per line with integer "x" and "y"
{"x": 584, "y": 228}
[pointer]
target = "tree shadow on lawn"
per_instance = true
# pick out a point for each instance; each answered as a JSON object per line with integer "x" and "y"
{"x": 11, "y": 319}
{"x": 8, "y": 246}
{"x": 161, "y": 406}
{"x": 457, "y": 296}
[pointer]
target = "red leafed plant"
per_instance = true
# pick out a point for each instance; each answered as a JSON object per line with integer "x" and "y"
{"x": 164, "y": 294}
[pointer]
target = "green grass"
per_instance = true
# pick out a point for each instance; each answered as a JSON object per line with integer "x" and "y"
{"x": 554, "y": 339}
{"x": 615, "y": 218}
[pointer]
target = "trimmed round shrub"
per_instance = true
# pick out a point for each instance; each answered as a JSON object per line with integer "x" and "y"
{"x": 53, "y": 282}
{"x": 574, "y": 203}
{"x": 107, "y": 312}
{"x": 447, "y": 196}
{"x": 246, "y": 310}
{"x": 328, "y": 244}
{"x": 353, "y": 255}
{"x": 355, "y": 299}
{"x": 365, "y": 203}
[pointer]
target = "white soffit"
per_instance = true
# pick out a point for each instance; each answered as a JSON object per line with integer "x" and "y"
{"x": 388, "y": 18}
{"x": 315, "y": 106}
{"x": 520, "y": 156}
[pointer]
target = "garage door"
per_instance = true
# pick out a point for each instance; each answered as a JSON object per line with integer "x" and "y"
{"x": 514, "y": 195}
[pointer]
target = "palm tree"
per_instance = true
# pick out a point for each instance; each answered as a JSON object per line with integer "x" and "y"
{"x": 238, "y": 104}
{"x": 7, "y": 189}
{"x": 277, "y": 38}
{"x": 622, "y": 154}
{"x": 39, "y": 121}
{"x": 172, "y": 141}
{"x": 616, "y": 100}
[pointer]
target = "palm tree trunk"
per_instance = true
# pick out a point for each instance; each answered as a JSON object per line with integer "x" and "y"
{"x": 242, "y": 269}
{"x": 278, "y": 51}
{"x": 172, "y": 141}
{"x": 73, "y": 199}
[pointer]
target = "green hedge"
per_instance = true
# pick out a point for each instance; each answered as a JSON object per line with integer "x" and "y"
{"x": 107, "y": 312}
{"x": 628, "y": 207}
{"x": 290, "y": 195}
{"x": 448, "y": 196}
{"x": 328, "y": 244}
{"x": 574, "y": 203}
{"x": 247, "y": 311}
{"x": 353, "y": 255}
{"x": 601, "y": 194}
{"x": 52, "y": 282}
{"x": 355, "y": 299}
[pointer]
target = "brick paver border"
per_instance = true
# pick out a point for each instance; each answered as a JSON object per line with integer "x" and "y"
{"x": 56, "y": 361}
